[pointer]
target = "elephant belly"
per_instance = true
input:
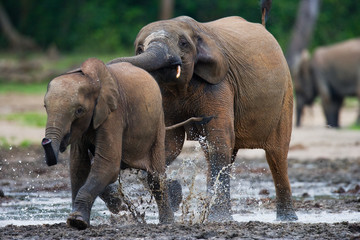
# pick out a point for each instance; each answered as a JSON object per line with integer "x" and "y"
{"x": 136, "y": 153}
{"x": 139, "y": 142}
{"x": 254, "y": 122}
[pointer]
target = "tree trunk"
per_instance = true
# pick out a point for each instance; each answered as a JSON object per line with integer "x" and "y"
{"x": 16, "y": 40}
{"x": 303, "y": 30}
{"x": 167, "y": 9}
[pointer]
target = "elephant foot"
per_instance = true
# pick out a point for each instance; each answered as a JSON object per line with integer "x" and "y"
{"x": 167, "y": 220}
{"x": 76, "y": 220}
{"x": 166, "y": 216}
{"x": 288, "y": 215}
{"x": 219, "y": 215}
{"x": 112, "y": 199}
{"x": 175, "y": 194}
{"x": 116, "y": 205}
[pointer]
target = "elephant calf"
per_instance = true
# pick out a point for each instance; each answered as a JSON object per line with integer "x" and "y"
{"x": 115, "y": 113}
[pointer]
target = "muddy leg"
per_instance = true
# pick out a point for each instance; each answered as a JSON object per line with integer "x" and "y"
{"x": 94, "y": 185}
{"x": 219, "y": 188}
{"x": 218, "y": 151}
{"x": 112, "y": 199}
{"x": 278, "y": 165}
{"x": 159, "y": 189}
{"x": 174, "y": 190}
{"x": 79, "y": 168}
{"x": 174, "y": 141}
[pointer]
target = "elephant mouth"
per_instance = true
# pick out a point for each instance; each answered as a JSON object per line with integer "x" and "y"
{"x": 169, "y": 73}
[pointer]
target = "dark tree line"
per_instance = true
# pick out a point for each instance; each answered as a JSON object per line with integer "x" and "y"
{"x": 112, "y": 25}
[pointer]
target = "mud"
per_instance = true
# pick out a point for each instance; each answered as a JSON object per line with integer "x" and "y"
{"x": 23, "y": 170}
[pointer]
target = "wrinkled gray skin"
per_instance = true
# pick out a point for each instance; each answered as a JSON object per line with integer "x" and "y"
{"x": 333, "y": 73}
{"x": 235, "y": 71}
{"x": 113, "y": 115}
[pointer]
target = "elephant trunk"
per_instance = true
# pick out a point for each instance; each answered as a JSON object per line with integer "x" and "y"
{"x": 51, "y": 145}
{"x": 51, "y": 154}
{"x": 156, "y": 56}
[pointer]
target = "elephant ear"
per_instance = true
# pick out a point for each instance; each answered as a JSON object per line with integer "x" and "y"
{"x": 211, "y": 64}
{"x": 109, "y": 92}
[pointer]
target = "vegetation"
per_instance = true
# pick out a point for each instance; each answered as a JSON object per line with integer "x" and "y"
{"x": 5, "y": 144}
{"x": 32, "y": 88}
{"x": 33, "y": 119}
{"x": 111, "y": 26}
{"x": 355, "y": 126}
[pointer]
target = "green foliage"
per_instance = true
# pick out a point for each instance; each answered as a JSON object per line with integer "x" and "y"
{"x": 25, "y": 143}
{"x": 112, "y": 25}
{"x": 33, "y": 88}
{"x": 33, "y": 119}
{"x": 355, "y": 126}
{"x": 338, "y": 20}
{"x": 4, "y": 143}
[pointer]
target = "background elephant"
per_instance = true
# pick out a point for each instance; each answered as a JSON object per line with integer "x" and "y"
{"x": 333, "y": 73}
{"x": 235, "y": 71}
{"x": 114, "y": 115}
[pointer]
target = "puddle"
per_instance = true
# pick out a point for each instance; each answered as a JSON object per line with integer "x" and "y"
{"x": 41, "y": 208}
{"x": 50, "y": 208}
{"x": 54, "y": 207}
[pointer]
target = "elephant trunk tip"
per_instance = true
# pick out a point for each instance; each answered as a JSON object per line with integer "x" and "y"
{"x": 45, "y": 141}
{"x": 50, "y": 156}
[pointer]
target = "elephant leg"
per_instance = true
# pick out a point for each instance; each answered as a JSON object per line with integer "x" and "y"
{"x": 219, "y": 152}
{"x": 233, "y": 156}
{"x": 174, "y": 141}
{"x": 277, "y": 160}
{"x": 80, "y": 165}
{"x": 102, "y": 173}
{"x": 358, "y": 116}
{"x": 112, "y": 199}
{"x": 159, "y": 189}
{"x": 332, "y": 111}
{"x": 277, "y": 147}
{"x": 358, "y": 96}
{"x": 218, "y": 185}
{"x": 173, "y": 186}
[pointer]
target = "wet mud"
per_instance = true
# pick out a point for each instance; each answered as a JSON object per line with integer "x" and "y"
{"x": 320, "y": 185}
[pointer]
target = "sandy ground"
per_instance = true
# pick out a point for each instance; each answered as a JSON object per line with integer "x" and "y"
{"x": 317, "y": 154}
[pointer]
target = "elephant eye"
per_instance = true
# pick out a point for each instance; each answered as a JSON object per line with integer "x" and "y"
{"x": 79, "y": 111}
{"x": 139, "y": 50}
{"x": 183, "y": 42}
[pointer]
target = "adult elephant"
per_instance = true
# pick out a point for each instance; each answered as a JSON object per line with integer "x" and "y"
{"x": 235, "y": 71}
{"x": 333, "y": 73}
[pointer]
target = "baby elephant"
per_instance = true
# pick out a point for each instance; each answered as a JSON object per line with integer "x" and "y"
{"x": 115, "y": 114}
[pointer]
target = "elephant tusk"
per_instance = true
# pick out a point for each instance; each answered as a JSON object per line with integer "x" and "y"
{"x": 178, "y": 72}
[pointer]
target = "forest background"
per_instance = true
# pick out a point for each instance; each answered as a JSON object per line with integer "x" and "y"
{"x": 110, "y": 26}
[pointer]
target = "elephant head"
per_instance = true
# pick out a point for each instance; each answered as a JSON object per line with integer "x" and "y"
{"x": 304, "y": 84}
{"x": 175, "y": 50}
{"x": 75, "y": 100}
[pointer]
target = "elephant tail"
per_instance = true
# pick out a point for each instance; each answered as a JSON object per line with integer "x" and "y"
{"x": 265, "y": 9}
{"x": 201, "y": 120}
